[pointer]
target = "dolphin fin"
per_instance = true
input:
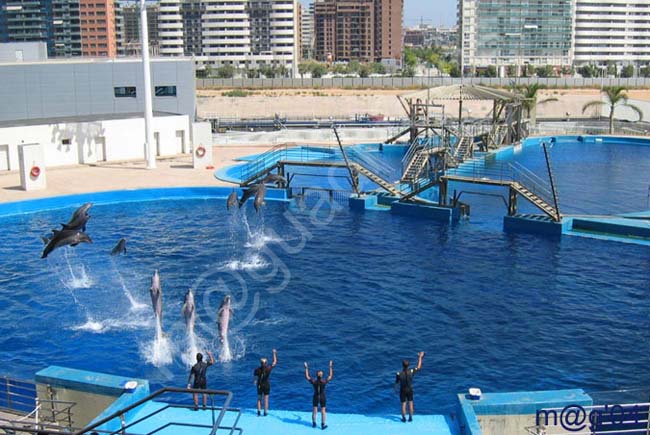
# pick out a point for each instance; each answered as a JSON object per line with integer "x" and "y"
{"x": 45, "y": 240}
{"x": 74, "y": 244}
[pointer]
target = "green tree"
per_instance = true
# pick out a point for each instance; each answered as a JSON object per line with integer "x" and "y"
{"x": 644, "y": 71}
{"x": 612, "y": 70}
{"x": 354, "y": 66}
{"x": 303, "y": 68}
{"x": 226, "y": 72}
{"x": 627, "y": 71}
{"x": 545, "y": 71}
{"x": 340, "y": 68}
{"x": 364, "y": 70}
{"x": 530, "y": 102}
{"x": 615, "y": 96}
{"x": 454, "y": 70}
{"x": 318, "y": 70}
{"x": 408, "y": 71}
{"x": 588, "y": 71}
{"x": 253, "y": 73}
{"x": 281, "y": 71}
{"x": 378, "y": 68}
{"x": 410, "y": 58}
{"x": 267, "y": 71}
{"x": 491, "y": 71}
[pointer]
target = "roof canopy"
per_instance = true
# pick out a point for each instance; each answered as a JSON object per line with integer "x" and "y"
{"x": 464, "y": 92}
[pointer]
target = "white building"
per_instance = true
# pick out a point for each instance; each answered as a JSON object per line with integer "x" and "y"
{"x": 307, "y": 32}
{"x": 615, "y": 31}
{"x": 245, "y": 34}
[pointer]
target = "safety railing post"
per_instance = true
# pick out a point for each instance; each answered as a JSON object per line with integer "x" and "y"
{"x": 8, "y": 388}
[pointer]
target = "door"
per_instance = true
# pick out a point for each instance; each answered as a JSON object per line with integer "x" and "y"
{"x": 100, "y": 148}
{"x": 156, "y": 139}
{"x": 180, "y": 141}
{"x": 4, "y": 158}
{"x": 19, "y": 56}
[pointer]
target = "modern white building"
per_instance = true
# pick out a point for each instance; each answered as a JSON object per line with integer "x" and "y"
{"x": 515, "y": 33}
{"x": 245, "y": 34}
{"x": 615, "y": 31}
{"x": 307, "y": 32}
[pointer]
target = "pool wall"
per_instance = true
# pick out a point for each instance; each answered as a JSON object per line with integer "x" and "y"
{"x": 120, "y": 196}
{"x": 510, "y": 413}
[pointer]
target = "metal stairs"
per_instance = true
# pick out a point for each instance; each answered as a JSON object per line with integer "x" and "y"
{"x": 536, "y": 200}
{"x": 386, "y": 185}
{"x": 415, "y": 166}
{"x": 464, "y": 148}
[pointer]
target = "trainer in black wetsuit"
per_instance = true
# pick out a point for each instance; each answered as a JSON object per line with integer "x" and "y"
{"x": 261, "y": 376}
{"x": 319, "y": 394}
{"x": 405, "y": 381}
{"x": 198, "y": 371}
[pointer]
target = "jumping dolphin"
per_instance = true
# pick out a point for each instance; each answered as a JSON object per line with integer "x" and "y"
{"x": 274, "y": 178}
{"x": 223, "y": 320}
{"x": 156, "y": 295}
{"x": 120, "y": 248}
{"x": 232, "y": 200}
{"x": 79, "y": 218}
{"x": 63, "y": 238}
{"x": 249, "y": 192}
{"x": 188, "y": 311}
{"x": 259, "y": 197}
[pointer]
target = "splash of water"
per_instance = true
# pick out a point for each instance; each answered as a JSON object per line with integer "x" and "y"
{"x": 135, "y": 304}
{"x": 225, "y": 354}
{"x": 75, "y": 279}
{"x": 258, "y": 240}
{"x": 101, "y": 326}
{"x": 250, "y": 262}
{"x": 160, "y": 351}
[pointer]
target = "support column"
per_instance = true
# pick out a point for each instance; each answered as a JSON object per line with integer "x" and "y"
{"x": 442, "y": 196}
{"x": 512, "y": 202}
{"x": 150, "y": 146}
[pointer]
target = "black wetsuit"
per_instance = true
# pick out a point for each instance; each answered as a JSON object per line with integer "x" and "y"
{"x": 263, "y": 385}
{"x": 319, "y": 392}
{"x": 405, "y": 380}
{"x": 199, "y": 371}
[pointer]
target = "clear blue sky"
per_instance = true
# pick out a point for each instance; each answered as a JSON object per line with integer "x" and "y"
{"x": 436, "y": 12}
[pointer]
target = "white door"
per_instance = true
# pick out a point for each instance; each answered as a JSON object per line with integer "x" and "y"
{"x": 180, "y": 141}
{"x": 156, "y": 138}
{"x": 100, "y": 148}
{"x": 19, "y": 56}
{"x": 4, "y": 158}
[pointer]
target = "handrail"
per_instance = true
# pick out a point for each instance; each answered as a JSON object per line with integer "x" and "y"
{"x": 158, "y": 393}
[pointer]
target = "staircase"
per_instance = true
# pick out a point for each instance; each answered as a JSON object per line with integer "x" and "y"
{"x": 379, "y": 181}
{"x": 464, "y": 148}
{"x": 415, "y": 166}
{"x": 536, "y": 200}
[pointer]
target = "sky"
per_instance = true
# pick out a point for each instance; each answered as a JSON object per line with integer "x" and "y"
{"x": 435, "y": 12}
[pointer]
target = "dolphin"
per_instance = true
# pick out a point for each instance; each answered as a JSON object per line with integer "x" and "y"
{"x": 188, "y": 311}
{"x": 120, "y": 248}
{"x": 156, "y": 295}
{"x": 274, "y": 178}
{"x": 79, "y": 218}
{"x": 223, "y": 319}
{"x": 259, "y": 197}
{"x": 232, "y": 200}
{"x": 248, "y": 193}
{"x": 63, "y": 238}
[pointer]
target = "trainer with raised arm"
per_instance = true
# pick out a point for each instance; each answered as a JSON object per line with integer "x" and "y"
{"x": 261, "y": 379}
{"x": 319, "y": 394}
{"x": 198, "y": 371}
{"x": 405, "y": 381}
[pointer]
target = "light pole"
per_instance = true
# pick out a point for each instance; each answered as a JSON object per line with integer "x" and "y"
{"x": 149, "y": 146}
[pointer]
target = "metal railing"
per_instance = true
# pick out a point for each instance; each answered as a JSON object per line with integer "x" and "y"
{"x": 217, "y": 414}
{"x": 17, "y": 395}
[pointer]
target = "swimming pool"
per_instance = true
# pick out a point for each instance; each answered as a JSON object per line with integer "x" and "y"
{"x": 498, "y": 311}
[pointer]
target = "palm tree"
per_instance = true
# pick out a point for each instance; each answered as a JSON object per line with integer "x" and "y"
{"x": 615, "y": 96}
{"x": 530, "y": 103}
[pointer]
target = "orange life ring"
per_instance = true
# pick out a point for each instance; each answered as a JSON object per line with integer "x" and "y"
{"x": 35, "y": 171}
{"x": 200, "y": 152}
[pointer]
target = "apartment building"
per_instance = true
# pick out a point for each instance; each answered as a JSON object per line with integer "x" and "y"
{"x": 389, "y": 16}
{"x": 97, "y": 21}
{"x": 127, "y": 28}
{"x": 307, "y": 32}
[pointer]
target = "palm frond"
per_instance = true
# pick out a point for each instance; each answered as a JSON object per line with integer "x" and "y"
{"x": 591, "y": 104}
{"x": 547, "y": 100}
{"x": 636, "y": 109}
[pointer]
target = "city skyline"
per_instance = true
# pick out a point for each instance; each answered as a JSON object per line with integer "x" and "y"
{"x": 416, "y": 11}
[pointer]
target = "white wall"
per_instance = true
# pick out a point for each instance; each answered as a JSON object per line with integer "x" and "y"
{"x": 124, "y": 139}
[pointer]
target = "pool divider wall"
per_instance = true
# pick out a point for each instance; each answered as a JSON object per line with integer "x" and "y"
{"x": 374, "y": 202}
{"x": 93, "y": 393}
{"x": 120, "y": 196}
{"x": 511, "y": 413}
{"x": 535, "y": 224}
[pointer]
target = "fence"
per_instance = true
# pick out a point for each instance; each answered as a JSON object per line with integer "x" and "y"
{"x": 416, "y": 82}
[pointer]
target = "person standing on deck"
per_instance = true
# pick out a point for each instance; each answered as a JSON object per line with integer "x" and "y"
{"x": 200, "y": 380}
{"x": 319, "y": 394}
{"x": 261, "y": 379}
{"x": 405, "y": 380}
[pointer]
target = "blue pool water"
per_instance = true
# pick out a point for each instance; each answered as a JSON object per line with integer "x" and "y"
{"x": 317, "y": 281}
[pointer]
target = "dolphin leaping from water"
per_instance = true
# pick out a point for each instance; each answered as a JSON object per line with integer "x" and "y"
{"x": 120, "y": 248}
{"x": 223, "y": 319}
{"x": 189, "y": 311}
{"x": 232, "y": 200}
{"x": 252, "y": 190}
{"x": 275, "y": 178}
{"x": 156, "y": 295}
{"x": 64, "y": 238}
{"x": 79, "y": 218}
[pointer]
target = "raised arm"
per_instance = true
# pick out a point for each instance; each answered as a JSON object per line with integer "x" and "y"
{"x": 307, "y": 372}
{"x": 211, "y": 357}
{"x": 331, "y": 375}
{"x": 275, "y": 358}
{"x": 420, "y": 357}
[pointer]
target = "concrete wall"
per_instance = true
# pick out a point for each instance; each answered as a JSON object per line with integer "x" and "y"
{"x": 414, "y": 82}
{"x": 23, "y": 51}
{"x": 306, "y": 136}
{"x": 81, "y": 87}
{"x": 92, "y": 141}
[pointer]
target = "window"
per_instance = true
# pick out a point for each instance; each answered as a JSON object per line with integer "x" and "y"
{"x": 66, "y": 141}
{"x": 124, "y": 91}
{"x": 165, "y": 91}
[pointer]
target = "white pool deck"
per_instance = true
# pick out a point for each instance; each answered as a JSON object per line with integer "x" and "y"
{"x": 293, "y": 422}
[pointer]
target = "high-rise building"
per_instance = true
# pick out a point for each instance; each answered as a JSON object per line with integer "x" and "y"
{"x": 344, "y": 30}
{"x": 616, "y": 31}
{"x": 245, "y": 34}
{"x": 55, "y": 22}
{"x": 515, "y": 33}
{"x": 362, "y": 30}
{"x": 127, "y": 28}
{"x": 388, "y": 31}
{"x": 97, "y": 18}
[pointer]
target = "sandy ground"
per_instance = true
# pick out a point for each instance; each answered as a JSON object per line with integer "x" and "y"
{"x": 174, "y": 172}
{"x": 345, "y": 103}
